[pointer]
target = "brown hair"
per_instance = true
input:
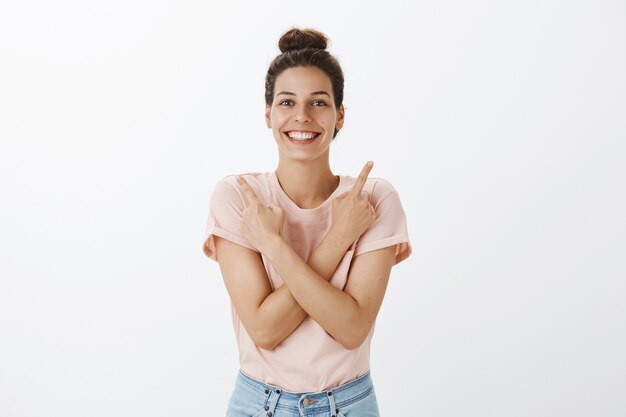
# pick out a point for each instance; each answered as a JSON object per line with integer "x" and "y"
{"x": 304, "y": 48}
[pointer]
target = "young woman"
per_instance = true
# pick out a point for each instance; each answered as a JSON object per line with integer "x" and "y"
{"x": 305, "y": 254}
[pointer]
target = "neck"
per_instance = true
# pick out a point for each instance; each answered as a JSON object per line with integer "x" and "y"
{"x": 308, "y": 184}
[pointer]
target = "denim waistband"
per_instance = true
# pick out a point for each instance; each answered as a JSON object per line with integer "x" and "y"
{"x": 310, "y": 402}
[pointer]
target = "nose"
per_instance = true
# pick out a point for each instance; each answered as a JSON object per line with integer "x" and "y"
{"x": 302, "y": 115}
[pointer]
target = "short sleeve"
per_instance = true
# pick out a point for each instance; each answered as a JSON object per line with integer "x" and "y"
{"x": 225, "y": 208}
{"x": 388, "y": 229}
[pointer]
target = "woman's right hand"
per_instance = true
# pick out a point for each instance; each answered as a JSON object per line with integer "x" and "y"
{"x": 352, "y": 212}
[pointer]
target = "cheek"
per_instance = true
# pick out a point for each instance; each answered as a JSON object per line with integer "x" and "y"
{"x": 327, "y": 121}
{"x": 279, "y": 119}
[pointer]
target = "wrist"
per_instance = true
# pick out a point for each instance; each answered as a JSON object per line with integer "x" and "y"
{"x": 273, "y": 245}
{"x": 338, "y": 239}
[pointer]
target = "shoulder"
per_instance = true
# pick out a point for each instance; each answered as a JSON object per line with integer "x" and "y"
{"x": 251, "y": 177}
{"x": 229, "y": 187}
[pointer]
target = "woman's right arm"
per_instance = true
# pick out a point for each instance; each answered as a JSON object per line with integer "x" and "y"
{"x": 270, "y": 316}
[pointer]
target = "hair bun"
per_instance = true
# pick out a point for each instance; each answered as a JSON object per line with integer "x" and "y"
{"x": 298, "y": 39}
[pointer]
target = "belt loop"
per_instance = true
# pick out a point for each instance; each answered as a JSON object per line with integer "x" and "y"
{"x": 273, "y": 401}
{"x": 331, "y": 400}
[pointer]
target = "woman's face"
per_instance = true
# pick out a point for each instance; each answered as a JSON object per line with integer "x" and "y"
{"x": 303, "y": 114}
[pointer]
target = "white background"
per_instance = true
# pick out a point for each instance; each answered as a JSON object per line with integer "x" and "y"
{"x": 501, "y": 125}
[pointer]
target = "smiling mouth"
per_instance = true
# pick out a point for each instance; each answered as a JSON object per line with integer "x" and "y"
{"x": 303, "y": 139}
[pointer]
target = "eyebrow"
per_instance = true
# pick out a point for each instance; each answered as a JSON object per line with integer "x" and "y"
{"x": 315, "y": 93}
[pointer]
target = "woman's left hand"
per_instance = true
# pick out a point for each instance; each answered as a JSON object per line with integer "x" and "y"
{"x": 260, "y": 224}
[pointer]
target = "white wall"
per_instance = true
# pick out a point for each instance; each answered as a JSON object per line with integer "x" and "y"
{"x": 501, "y": 125}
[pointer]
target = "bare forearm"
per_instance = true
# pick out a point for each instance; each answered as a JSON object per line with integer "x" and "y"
{"x": 279, "y": 315}
{"x": 280, "y": 312}
{"x": 320, "y": 299}
{"x": 328, "y": 254}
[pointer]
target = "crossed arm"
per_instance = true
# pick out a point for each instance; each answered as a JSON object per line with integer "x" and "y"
{"x": 271, "y": 316}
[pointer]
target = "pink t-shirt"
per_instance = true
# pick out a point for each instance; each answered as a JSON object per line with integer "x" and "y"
{"x": 309, "y": 359}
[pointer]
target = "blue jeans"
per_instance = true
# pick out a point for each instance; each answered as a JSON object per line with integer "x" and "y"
{"x": 254, "y": 398}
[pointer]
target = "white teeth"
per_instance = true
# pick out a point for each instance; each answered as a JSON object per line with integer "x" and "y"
{"x": 301, "y": 136}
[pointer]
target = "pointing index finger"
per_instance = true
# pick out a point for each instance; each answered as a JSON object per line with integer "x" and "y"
{"x": 249, "y": 192}
{"x": 360, "y": 181}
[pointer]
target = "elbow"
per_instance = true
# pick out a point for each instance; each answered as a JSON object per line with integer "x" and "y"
{"x": 353, "y": 339}
{"x": 263, "y": 339}
{"x": 351, "y": 343}
{"x": 267, "y": 345}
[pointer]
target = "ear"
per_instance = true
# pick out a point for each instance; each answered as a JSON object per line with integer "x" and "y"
{"x": 340, "y": 116}
{"x": 268, "y": 119}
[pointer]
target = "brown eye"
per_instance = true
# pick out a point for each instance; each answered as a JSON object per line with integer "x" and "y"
{"x": 284, "y": 101}
{"x": 323, "y": 103}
